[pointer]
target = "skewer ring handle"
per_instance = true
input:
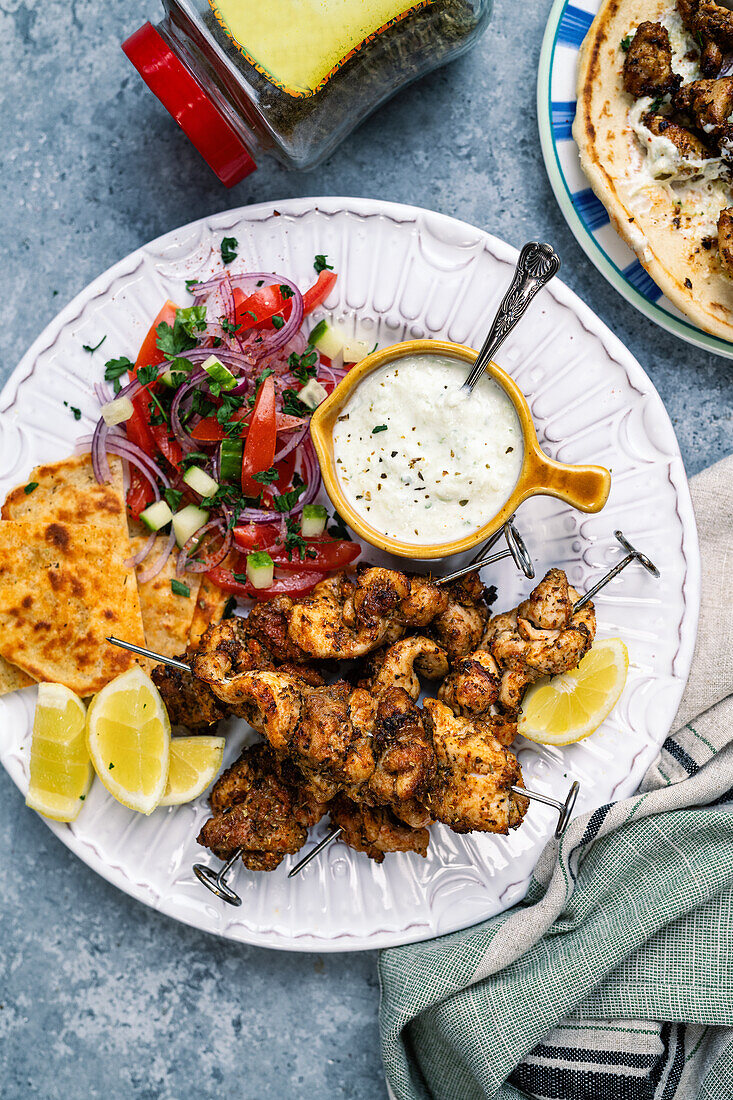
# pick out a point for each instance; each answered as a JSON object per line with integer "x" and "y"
{"x": 518, "y": 550}
{"x": 641, "y": 558}
{"x": 213, "y": 881}
{"x": 567, "y": 810}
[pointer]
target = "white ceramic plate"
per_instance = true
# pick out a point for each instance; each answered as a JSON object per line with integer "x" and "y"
{"x": 567, "y": 26}
{"x": 403, "y": 272}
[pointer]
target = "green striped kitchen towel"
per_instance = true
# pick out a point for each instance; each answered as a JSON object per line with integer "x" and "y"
{"x": 614, "y": 977}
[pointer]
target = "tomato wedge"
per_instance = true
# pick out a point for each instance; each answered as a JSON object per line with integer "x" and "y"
{"x": 150, "y": 354}
{"x": 259, "y": 450}
{"x": 295, "y": 584}
{"x": 166, "y": 443}
{"x": 257, "y": 307}
{"x": 319, "y": 291}
{"x": 139, "y": 495}
{"x": 322, "y": 554}
{"x": 256, "y": 536}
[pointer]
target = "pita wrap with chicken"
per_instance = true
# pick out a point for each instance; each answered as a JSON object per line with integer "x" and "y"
{"x": 655, "y": 140}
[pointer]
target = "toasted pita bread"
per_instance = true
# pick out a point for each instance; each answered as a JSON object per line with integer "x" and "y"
{"x": 12, "y": 678}
{"x": 166, "y": 616}
{"x": 68, "y": 491}
{"x": 210, "y": 605}
{"x": 63, "y": 588}
{"x": 671, "y": 225}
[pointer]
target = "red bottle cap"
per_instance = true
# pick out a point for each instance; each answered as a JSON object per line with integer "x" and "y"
{"x": 180, "y": 93}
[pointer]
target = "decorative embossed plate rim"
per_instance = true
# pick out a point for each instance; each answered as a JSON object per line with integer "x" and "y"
{"x": 403, "y": 272}
{"x": 567, "y": 25}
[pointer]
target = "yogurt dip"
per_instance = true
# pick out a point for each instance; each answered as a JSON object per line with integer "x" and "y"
{"x": 421, "y": 459}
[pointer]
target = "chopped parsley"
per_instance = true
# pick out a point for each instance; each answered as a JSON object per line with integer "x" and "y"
{"x": 229, "y": 247}
{"x": 192, "y": 458}
{"x": 229, "y": 607}
{"x": 321, "y": 264}
{"x": 173, "y": 498}
{"x": 178, "y": 588}
{"x": 266, "y": 477}
{"x": 304, "y": 366}
{"x": 146, "y": 375}
{"x": 30, "y": 487}
{"x": 76, "y": 412}
{"x": 92, "y": 350}
{"x": 190, "y": 284}
{"x": 181, "y": 337}
{"x": 241, "y": 577}
{"x": 110, "y": 767}
{"x": 339, "y": 529}
{"x": 277, "y": 321}
{"x": 115, "y": 368}
{"x": 626, "y": 43}
{"x": 656, "y": 104}
{"x": 295, "y": 541}
{"x": 286, "y": 291}
{"x": 156, "y": 412}
{"x": 285, "y": 501}
{"x": 379, "y": 428}
{"x": 293, "y": 406}
{"x": 228, "y": 327}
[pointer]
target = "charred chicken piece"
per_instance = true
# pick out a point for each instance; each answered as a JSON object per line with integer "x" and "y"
{"x": 188, "y": 700}
{"x": 725, "y": 240}
{"x": 714, "y": 23}
{"x": 648, "y": 63}
{"x": 541, "y": 637}
{"x": 376, "y": 830}
{"x": 706, "y": 26}
{"x": 325, "y": 625}
{"x": 475, "y": 772}
{"x": 398, "y": 665}
{"x": 254, "y": 809}
{"x": 396, "y": 601}
{"x": 708, "y": 103}
{"x": 267, "y": 624}
{"x": 473, "y": 685}
{"x": 690, "y": 147}
{"x": 403, "y": 756}
{"x": 459, "y": 627}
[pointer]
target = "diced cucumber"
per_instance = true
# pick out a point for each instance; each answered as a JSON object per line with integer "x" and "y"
{"x": 260, "y": 569}
{"x": 217, "y": 372}
{"x": 117, "y": 411}
{"x": 187, "y": 522}
{"x": 156, "y": 515}
{"x": 355, "y": 351}
{"x": 312, "y": 394}
{"x": 200, "y": 482}
{"x": 230, "y": 459}
{"x": 327, "y": 339}
{"x": 314, "y": 520}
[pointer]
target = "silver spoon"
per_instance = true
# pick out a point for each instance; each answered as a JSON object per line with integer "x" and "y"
{"x": 537, "y": 264}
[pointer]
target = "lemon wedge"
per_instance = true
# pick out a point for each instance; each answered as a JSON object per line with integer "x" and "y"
{"x": 128, "y": 737}
{"x": 562, "y": 709}
{"x": 61, "y": 772}
{"x": 194, "y": 762}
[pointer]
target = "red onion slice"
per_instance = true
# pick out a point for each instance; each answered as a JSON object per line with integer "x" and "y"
{"x": 143, "y": 553}
{"x": 159, "y": 563}
{"x": 185, "y": 564}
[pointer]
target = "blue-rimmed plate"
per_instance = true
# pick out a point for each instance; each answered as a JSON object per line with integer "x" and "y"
{"x": 567, "y": 26}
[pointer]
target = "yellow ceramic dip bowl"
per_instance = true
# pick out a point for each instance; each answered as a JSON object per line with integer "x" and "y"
{"x": 584, "y": 487}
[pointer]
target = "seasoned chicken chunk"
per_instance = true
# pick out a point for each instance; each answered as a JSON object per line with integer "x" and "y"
{"x": 398, "y": 665}
{"x": 324, "y": 625}
{"x": 375, "y": 830}
{"x": 188, "y": 700}
{"x": 708, "y": 103}
{"x": 541, "y": 637}
{"x": 253, "y": 809}
{"x": 472, "y": 788}
{"x": 648, "y": 63}
{"x": 689, "y": 146}
{"x": 725, "y": 240}
{"x": 715, "y": 22}
{"x": 459, "y": 627}
{"x": 404, "y": 758}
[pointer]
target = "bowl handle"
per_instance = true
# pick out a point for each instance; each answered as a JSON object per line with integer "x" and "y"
{"x": 584, "y": 487}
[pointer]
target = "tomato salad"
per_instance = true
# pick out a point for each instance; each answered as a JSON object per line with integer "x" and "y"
{"x": 214, "y": 424}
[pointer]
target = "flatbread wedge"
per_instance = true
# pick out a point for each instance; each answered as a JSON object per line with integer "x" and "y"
{"x": 69, "y": 492}
{"x": 63, "y": 588}
{"x": 210, "y": 604}
{"x": 669, "y": 220}
{"x": 167, "y": 615}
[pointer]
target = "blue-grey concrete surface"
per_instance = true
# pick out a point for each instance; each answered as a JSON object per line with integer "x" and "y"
{"x": 99, "y": 996}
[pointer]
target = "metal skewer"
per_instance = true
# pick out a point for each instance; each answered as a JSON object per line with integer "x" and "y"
{"x": 632, "y": 555}
{"x": 215, "y": 880}
{"x": 516, "y": 549}
{"x": 564, "y": 809}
